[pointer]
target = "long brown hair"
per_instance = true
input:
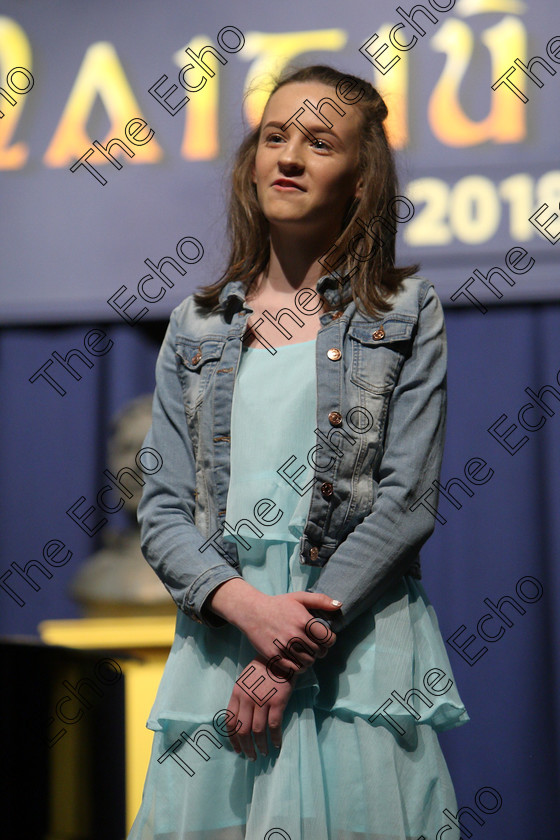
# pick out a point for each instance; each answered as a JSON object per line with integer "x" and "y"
{"x": 374, "y": 279}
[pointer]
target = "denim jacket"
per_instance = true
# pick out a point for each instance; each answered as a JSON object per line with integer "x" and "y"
{"x": 381, "y": 409}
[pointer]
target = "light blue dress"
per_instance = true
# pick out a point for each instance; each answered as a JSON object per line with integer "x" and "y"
{"x": 355, "y": 763}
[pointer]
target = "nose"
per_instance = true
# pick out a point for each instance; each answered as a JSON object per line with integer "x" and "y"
{"x": 290, "y": 158}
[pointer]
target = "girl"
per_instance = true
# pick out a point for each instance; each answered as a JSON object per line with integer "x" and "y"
{"x": 299, "y": 411}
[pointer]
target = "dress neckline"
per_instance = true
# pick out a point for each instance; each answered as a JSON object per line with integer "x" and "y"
{"x": 292, "y": 344}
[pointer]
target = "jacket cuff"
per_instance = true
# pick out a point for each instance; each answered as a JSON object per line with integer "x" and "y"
{"x": 201, "y": 589}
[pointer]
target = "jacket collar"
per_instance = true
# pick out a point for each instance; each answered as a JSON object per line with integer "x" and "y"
{"x": 327, "y": 285}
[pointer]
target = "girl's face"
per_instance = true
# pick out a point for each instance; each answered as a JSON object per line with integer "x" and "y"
{"x": 324, "y": 172}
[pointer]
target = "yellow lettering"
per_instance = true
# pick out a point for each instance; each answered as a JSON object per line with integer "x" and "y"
{"x": 200, "y": 138}
{"x": 272, "y": 52}
{"x": 15, "y": 51}
{"x": 101, "y": 74}
{"x": 393, "y": 87}
{"x": 505, "y": 122}
{"x": 476, "y": 7}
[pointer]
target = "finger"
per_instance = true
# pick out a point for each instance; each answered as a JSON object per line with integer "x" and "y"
{"x": 260, "y": 718}
{"x": 292, "y": 668}
{"x": 318, "y": 630}
{"x": 276, "y": 673}
{"x": 234, "y": 723}
{"x": 316, "y": 600}
{"x": 323, "y": 650}
{"x": 244, "y": 734}
{"x": 300, "y": 653}
{"x": 275, "y": 726}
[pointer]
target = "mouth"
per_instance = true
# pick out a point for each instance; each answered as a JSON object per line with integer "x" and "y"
{"x": 286, "y": 184}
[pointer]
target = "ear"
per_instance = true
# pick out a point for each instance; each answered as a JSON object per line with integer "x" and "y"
{"x": 359, "y": 188}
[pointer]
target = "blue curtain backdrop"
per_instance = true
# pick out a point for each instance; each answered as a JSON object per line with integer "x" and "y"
{"x": 53, "y": 451}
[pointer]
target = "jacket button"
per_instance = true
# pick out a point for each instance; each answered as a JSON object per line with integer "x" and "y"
{"x": 313, "y": 553}
{"x": 335, "y": 418}
{"x": 196, "y": 358}
{"x": 337, "y": 315}
{"x": 326, "y": 489}
{"x": 334, "y": 353}
{"x": 378, "y": 334}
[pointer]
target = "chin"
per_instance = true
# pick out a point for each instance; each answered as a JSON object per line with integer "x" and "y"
{"x": 285, "y": 221}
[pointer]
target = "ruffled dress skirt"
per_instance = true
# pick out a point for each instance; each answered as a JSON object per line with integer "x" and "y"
{"x": 360, "y": 757}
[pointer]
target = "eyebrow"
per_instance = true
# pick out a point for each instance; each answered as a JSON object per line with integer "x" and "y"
{"x": 316, "y": 129}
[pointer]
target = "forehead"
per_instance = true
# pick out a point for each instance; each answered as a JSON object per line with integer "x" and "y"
{"x": 290, "y": 98}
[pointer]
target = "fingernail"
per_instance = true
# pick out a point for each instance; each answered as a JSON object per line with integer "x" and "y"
{"x": 337, "y": 603}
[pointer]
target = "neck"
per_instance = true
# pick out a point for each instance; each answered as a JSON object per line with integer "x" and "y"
{"x": 294, "y": 261}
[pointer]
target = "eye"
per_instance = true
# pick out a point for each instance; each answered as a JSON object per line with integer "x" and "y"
{"x": 324, "y": 147}
{"x": 271, "y": 137}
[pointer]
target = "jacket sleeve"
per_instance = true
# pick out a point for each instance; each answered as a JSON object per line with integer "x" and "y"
{"x": 380, "y": 548}
{"x": 171, "y": 542}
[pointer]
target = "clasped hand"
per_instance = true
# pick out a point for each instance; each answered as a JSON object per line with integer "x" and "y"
{"x": 300, "y": 639}
{"x": 251, "y": 718}
{"x": 283, "y": 631}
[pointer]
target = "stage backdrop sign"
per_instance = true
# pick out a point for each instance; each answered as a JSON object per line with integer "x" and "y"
{"x": 118, "y": 123}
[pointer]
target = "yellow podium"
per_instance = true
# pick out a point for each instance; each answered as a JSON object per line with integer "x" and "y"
{"x": 148, "y": 639}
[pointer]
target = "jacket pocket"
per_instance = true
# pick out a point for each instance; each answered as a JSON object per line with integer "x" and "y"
{"x": 196, "y": 362}
{"x": 378, "y": 350}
